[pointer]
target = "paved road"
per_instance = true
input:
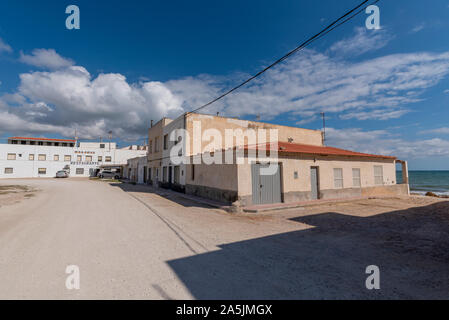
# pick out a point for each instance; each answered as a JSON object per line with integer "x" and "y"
{"x": 128, "y": 243}
{"x": 119, "y": 245}
{"x": 131, "y": 243}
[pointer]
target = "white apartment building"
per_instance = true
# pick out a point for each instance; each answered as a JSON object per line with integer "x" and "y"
{"x": 24, "y": 157}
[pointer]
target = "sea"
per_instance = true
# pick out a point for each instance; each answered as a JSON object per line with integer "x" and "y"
{"x": 424, "y": 181}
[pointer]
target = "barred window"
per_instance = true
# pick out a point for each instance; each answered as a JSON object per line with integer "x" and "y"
{"x": 378, "y": 175}
{"x": 356, "y": 177}
{"x": 338, "y": 178}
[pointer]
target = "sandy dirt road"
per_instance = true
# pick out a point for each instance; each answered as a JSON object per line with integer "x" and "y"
{"x": 132, "y": 243}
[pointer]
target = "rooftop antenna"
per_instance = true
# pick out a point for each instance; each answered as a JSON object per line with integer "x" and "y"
{"x": 324, "y": 127}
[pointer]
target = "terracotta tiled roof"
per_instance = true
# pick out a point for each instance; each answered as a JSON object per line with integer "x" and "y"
{"x": 286, "y": 147}
{"x": 41, "y": 139}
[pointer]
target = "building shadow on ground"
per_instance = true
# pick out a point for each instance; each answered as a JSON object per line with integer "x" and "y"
{"x": 165, "y": 193}
{"x": 329, "y": 259}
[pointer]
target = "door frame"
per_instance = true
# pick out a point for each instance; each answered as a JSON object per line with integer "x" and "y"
{"x": 281, "y": 178}
{"x": 317, "y": 181}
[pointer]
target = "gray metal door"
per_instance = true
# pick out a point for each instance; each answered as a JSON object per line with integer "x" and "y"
{"x": 314, "y": 182}
{"x": 266, "y": 188}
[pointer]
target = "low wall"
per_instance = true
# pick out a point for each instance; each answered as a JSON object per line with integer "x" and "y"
{"x": 212, "y": 193}
{"x": 393, "y": 190}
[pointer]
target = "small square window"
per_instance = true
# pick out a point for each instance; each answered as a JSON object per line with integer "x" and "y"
{"x": 9, "y": 170}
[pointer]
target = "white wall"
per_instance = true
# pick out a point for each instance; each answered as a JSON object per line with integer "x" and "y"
{"x": 25, "y": 168}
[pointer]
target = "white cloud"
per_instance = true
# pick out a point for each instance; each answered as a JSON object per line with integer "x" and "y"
{"x": 4, "y": 47}
{"x": 68, "y": 99}
{"x": 310, "y": 82}
{"x": 45, "y": 58}
{"x": 363, "y": 41}
{"x": 384, "y": 143}
{"x": 418, "y": 28}
{"x": 443, "y": 130}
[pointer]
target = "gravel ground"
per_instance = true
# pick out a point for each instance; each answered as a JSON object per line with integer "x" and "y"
{"x": 130, "y": 242}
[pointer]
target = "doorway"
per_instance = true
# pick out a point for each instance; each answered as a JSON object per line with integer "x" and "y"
{"x": 314, "y": 181}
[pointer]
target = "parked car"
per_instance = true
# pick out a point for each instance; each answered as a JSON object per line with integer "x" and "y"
{"x": 62, "y": 174}
{"x": 108, "y": 174}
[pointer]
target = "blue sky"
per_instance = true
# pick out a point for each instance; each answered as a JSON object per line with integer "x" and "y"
{"x": 384, "y": 91}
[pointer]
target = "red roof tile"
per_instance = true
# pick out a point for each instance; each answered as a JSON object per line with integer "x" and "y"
{"x": 41, "y": 139}
{"x": 286, "y": 147}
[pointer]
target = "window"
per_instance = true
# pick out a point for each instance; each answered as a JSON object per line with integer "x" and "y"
{"x": 338, "y": 178}
{"x": 164, "y": 174}
{"x": 40, "y": 143}
{"x": 11, "y": 156}
{"x": 23, "y": 142}
{"x": 72, "y": 145}
{"x": 42, "y": 157}
{"x": 79, "y": 171}
{"x": 156, "y": 144}
{"x": 100, "y": 158}
{"x": 64, "y": 144}
{"x": 88, "y": 158}
{"x": 79, "y": 158}
{"x": 32, "y": 143}
{"x": 378, "y": 175}
{"x": 150, "y": 147}
{"x": 356, "y": 177}
{"x": 193, "y": 172}
{"x": 101, "y": 145}
{"x": 56, "y": 144}
{"x": 176, "y": 174}
{"x": 14, "y": 141}
{"x": 56, "y": 157}
{"x": 42, "y": 171}
{"x": 9, "y": 170}
{"x": 108, "y": 159}
{"x": 48, "y": 143}
{"x": 67, "y": 158}
{"x": 166, "y": 142}
{"x": 31, "y": 157}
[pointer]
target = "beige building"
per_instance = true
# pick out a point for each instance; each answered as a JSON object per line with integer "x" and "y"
{"x": 301, "y": 167}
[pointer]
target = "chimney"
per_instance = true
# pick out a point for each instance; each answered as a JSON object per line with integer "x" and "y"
{"x": 151, "y": 124}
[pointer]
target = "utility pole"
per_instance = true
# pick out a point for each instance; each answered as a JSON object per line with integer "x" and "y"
{"x": 324, "y": 127}
{"x": 110, "y": 137}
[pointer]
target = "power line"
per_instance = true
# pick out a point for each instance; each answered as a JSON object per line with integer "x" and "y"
{"x": 346, "y": 17}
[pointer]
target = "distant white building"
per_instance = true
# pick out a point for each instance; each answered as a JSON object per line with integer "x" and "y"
{"x": 24, "y": 157}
